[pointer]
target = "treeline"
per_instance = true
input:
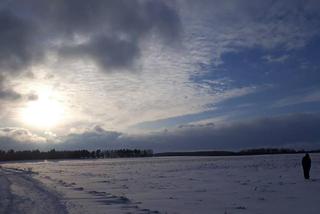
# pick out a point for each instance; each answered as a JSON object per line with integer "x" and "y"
{"x": 197, "y": 153}
{"x": 126, "y": 153}
{"x": 260, "y": 151}
{"x": 265, "y": 151}
{"x": 77, "y": 154}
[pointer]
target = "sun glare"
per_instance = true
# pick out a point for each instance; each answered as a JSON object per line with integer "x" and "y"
{"x": 43, "y": 113}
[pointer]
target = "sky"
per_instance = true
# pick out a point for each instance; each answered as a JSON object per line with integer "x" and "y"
{"x": 176, "y": 75}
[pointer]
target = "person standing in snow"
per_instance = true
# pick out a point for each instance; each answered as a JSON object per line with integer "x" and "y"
{"x": 306, "y": 164}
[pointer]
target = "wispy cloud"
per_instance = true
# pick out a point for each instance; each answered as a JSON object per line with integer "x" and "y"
{"x": 277, "y": 59}
{"x": 302, "y": 97}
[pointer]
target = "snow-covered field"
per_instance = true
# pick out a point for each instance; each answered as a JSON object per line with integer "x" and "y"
{"x": 248, "y": 184}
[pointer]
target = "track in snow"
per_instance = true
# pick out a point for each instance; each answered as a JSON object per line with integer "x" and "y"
{"x": 19, "y": 193}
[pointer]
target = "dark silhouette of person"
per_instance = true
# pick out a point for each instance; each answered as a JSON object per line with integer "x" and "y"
{"x": 306, "y": 164}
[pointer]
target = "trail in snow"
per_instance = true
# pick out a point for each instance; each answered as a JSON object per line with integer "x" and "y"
{"x": 19, "y": 193}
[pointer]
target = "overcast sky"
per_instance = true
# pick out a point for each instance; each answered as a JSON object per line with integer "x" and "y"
{"x": 164, "y": 75}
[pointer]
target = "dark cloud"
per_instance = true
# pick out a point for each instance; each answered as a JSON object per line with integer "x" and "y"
{"x": 107, "y": 52}
{"x": 32, "y": 97}
{"x": 6, "y": 93}
{"x": 110, "y": 31}
{"x": 94, "y": 138}
{"x": 299, "y": 131}
{"x": 127, "y": 18}
{"x": 20, "y": 139}
{"x": 16, "y": 46}
{"x": 9, "y": 95}
{"x": 17, "y": 50}
{"x": 295, "y": 131}
{"x": 98, "y": 129}
{"x": 115, "y": 29}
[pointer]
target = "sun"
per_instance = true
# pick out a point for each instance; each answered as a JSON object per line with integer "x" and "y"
{"x": 44, "y": 113}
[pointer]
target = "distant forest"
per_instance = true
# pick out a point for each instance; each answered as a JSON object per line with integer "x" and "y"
{"x": 78, "y": 154}
{"x": 12, "y": 155}
{"x": 260, "y": 151}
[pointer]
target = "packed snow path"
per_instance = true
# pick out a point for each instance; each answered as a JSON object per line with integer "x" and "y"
{"x": 19, "y": 193}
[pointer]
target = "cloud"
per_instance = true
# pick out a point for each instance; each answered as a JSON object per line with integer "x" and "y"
{"x": 93, "y": 138}
{"x": 16, "y": 51}
{"x": 116, "y": 29}
{"x": 6, "y": 93}
{"x": 59, "y": 38}
{"x": 108, "y": 52}
{"x": 20, "y": 134}
{"x": 108, "y": 32}
{"x": 9, "y": 95}
{"x": 20, "y": 138}
{"x": 16, "y": 46}
{"x": 32, "y": 97}
{"x": 294, "y": 130}
{"x": 232, "y": 25}
{"x": 274, "y": 59}
{"x": 309, "y": 96}
{"x": 297, "y": 131}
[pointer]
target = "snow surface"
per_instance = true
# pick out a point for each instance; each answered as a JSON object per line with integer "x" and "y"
{"x": 246, "y": 184}
{"x": 19, "y": 193}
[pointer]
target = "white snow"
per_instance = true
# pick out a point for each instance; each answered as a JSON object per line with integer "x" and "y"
{"x": 20, "y": 194}
{"x": 246, "y": 184}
